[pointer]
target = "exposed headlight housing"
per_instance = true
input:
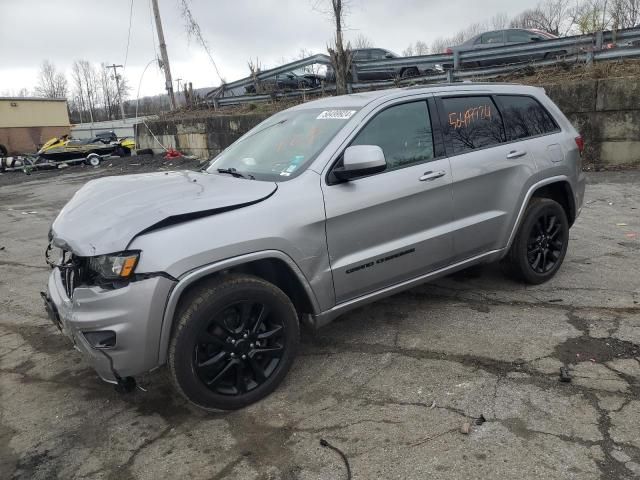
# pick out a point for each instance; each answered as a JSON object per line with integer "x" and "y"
{"x": 116, "y": 266}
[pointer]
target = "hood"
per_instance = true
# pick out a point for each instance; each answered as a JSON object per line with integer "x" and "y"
{"x": 106, "y": 214}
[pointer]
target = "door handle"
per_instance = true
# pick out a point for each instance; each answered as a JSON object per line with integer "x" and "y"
{"x": 516, "y": 154}
{"x": 428, "y": 176}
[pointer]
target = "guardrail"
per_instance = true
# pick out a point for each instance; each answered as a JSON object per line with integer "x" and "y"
{"x": 578, "y": 48}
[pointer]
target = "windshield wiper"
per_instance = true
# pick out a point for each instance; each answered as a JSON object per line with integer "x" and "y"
{"x": 235, "y": 173}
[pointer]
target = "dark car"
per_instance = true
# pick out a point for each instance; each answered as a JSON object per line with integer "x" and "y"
{"x": 287, "y": 81}
{"x": 360, "y": 57}
{"x": 501, "y": 38}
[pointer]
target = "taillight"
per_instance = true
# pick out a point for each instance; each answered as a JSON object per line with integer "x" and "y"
{"x": 448, "y": 51}
{"x": 580, "y": 143}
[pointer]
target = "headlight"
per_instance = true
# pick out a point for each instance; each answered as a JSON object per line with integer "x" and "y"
{"x": 115, "y": 266}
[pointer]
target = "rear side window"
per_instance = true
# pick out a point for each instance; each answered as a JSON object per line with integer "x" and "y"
{"x": 524, "y": 117}
{"x": 472, "y": 122}
{"x": 403, "y": 132}
{"x": 359, "y": 55}
{"x": 519, "y": 36}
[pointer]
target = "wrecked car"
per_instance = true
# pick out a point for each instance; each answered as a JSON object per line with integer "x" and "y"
{"x": 319, "y": 209}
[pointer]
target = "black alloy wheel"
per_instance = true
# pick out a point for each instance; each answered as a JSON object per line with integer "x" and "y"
{"x": 546, "y": 241}
{"x": 540, "y": 245}
{"x": 235, "y": 340}
{"x": 240, "y": 349}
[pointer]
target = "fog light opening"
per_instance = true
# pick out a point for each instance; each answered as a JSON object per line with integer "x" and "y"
{"x": 101, "y": 340}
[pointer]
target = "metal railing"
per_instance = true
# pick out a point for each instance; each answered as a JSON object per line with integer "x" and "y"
{"x": 579, "y": 48}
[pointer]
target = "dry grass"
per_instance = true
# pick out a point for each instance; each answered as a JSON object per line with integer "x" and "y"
{"x": 573, "y": 72}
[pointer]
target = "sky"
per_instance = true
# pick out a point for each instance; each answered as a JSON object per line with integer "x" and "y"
{"x": 273, "y": 31}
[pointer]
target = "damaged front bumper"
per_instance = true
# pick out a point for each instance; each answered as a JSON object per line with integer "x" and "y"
{"x": 133, "y": 313}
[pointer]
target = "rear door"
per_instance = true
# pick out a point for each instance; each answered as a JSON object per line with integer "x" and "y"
{"x": 396, "y": 225}
{"x": 529, "y": 124}
{"x": 515, "y": 37}
{"x": 488, "y": 174}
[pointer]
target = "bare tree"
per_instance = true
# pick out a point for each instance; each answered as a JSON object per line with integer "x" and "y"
{"x": 592, "y": 16}
{"x": 441, "y": 44}
{"x": 339, "y": 53}
{"x": 313, "y": 68}
{"x": 86, "y": 86}
{"x": 362, "y": 41}
{"x": 499, "y": 21}
{"x": 419, "y": 48}
{"x": 51, "y": 83}
{"x": 255, "y": 68}
{"x": 193, "y": 30}
{"x": 408, "y": 52}
{"x": 553, "y": 16}
{"x": 624, "y": 13}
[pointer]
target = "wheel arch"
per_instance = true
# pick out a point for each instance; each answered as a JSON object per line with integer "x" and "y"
{"x": 557, "y": 188}
{"x": 273, "y": 266}
{"x": 562, "y": 193}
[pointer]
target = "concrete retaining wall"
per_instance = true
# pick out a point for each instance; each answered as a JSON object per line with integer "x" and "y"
{"x": 202, "y": 137}
{"x": 605, "y": 111}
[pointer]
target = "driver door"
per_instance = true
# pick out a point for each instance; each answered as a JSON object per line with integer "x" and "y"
{"x": 389, "y": 227}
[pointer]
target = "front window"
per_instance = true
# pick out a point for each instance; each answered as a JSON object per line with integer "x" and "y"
{"x": 282, "y": 146}
{"x": 492, "y": 37}
{"x": 403, "y": 132}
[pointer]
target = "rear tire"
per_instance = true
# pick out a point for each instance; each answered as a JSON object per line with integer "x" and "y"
{"x": 235, "y": 340}
{"x": 540, "y": 245}
{"x": 409, "y": 72}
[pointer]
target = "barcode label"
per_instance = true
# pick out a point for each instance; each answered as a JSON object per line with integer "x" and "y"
{"x": 336, "y": 114}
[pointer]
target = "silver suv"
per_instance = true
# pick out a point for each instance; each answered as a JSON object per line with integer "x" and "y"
{"x": 319, "y": 209}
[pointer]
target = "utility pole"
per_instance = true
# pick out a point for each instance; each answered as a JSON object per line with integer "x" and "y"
{"x": 165, "y": 57}
{"x": 117, "y": 77}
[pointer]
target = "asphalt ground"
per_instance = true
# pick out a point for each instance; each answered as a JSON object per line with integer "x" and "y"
{"x": 391, "y": 385}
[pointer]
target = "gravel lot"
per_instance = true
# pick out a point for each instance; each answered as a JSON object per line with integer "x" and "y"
{"x": 389, "y": 384}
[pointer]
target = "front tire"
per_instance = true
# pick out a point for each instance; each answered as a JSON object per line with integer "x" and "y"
{"x": 235, "y": 340}
{"x": 541, "y": 243}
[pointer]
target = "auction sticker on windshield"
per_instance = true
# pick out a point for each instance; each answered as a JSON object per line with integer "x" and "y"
{"x": 336, "y": 115}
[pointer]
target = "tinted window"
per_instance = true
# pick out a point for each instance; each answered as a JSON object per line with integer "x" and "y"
{"x": 524, "y": 117}
{"x": 492, "y": 37}
{"x": 378, "y": 54}
{"x": 519, "y": 36}
{"x": 360, "y": 55}
{"x": 403, "y": 132}
{"x": 472, "y": 122}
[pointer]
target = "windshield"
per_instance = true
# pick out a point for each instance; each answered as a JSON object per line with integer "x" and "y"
{"x": 282, "y": 146}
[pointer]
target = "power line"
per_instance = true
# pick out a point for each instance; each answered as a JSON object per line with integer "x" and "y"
{"x": 126, "y": 55}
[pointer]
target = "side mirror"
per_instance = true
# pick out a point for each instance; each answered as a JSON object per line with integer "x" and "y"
{"x": 360, "y": 160}
{"x": 535, "y": 39}
{"x": 388, "y": 55}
